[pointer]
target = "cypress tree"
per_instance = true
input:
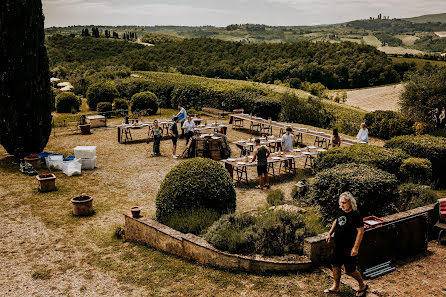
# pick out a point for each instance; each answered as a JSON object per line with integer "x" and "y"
{"x": 25, "y": 93}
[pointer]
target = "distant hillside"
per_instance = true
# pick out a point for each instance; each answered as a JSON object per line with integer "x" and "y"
{"x": 440, "y": 17}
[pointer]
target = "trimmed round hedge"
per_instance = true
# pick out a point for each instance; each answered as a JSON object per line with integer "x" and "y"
{"x": 198, "y": 183}
{"x": 104, "y": 106}
{"x": 382, "y": 158}
{"x": 375, "y": 190}
{"x": 145, "y": 101}
{"x": 120, "y": 104}
{"x": 101, "y": 92}
{"x": 68, "y": 102}
{"x": 424, "y": 146}
{"x": 416, "y": 170}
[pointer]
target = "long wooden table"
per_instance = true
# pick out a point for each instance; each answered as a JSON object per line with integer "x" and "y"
{"x": 247, "y": 146}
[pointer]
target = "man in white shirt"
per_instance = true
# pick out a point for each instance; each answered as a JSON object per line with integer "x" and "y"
{"x": 363, "y": 134}
{"x": 188, "y": 127}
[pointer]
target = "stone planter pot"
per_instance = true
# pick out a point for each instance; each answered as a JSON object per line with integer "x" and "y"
{"x": 136, "y": 212}
{"x": 34, "y": 161}
{"x": 82, "y": 205}
{"x": 85, "y": 129}
{"x": 47, "y": 182}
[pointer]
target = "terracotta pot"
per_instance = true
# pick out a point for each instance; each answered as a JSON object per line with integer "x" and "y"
{"x": 34, "y": 161}
{"x": 85, "y": 129}
{"x": 47, "y": 182}
{"x": 82, "y": 205}
{"x": 136, "y": 212}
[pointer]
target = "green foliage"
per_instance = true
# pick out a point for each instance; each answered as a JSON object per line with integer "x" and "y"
{"x": 387, "y": 124}
{"x": 192, "y": 111}
{"x": 316, "y": 89}
{"x": 163, "y": 90}
{"x": 346, "y": 119}
{"x": 430, "y": 43}
{"x": 195, "y": 184}
{"x": 120, "y": 104}
{"x": 156, "y": 38}
{"x": 25, "y": 92}
{"x": 295, "y": 83}
{"x": 416, "y": 170}
{"x": 375, "y": 190}
{"x": 424, "y": 97}
{"x": 385, "y": 159}
{"x": 425, "y": 146}
{"x": 101, "y": 92}
{"x": 413, "y": 196}
{"x": 309, "y": 111}
{"x": 193, "y": 221}
{"x": 145, "y": 101}
{"x": 104, "y": 107}
{"x": 68, "y": 102}
{"x": 267, "y": 107}
{"x": 275, "y": 197}
{"x": 388, "y": 40}
{"x": 396, "y": 26}
{"x": 271, "y": 233}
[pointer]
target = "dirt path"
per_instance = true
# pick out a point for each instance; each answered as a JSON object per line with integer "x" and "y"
{"x": 379, "y": 98}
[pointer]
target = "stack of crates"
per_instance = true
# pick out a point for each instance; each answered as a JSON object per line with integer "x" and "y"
{"x": 86, "y": 155}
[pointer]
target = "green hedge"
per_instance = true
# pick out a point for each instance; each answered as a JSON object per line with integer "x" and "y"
{"x": 375, "y": 190}
{"x": 416, "y": 170}
{"x": 195, "y": 184}
{"x": 385, "y": 159}
{"x": 163, "y": 90}
{"x": 101, "y": 92}
{"x": 428, "y": 147}
{"x": 145, "y": 101}
{"x": 120, "y": 104}
{"x": 67, "y": 102}
{"x": 387, "y": 124}
{"x": 104, "y": 106}
{"x": 412, "y": 196}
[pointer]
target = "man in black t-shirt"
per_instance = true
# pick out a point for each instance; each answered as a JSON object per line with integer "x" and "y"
{"x": 348, "y": 229}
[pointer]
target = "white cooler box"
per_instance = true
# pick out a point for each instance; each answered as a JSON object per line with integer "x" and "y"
{"x": 87, "y": 164}
{"x": 85, "y": 152}
{"x": 71, "y": 168}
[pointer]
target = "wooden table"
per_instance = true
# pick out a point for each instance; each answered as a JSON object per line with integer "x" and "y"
{"x": 124, "y": 131}
{"x": 247, "y": 146}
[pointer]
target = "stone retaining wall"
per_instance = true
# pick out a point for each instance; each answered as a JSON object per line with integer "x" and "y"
{"x": 189, "y": 246}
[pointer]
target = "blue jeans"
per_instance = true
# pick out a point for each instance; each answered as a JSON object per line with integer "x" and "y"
{"x": 156, "y": 144}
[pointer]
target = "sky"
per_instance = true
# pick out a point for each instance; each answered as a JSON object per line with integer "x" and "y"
{"x": 225, "y": 12}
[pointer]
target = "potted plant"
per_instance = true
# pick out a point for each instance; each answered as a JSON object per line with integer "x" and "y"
{"x": 47, "y": 182}
{"x": 82, "y": 205}
{"x": 33, "y": 160}
{"x": 85, "y": 128}
{"x": 136, "y": 212}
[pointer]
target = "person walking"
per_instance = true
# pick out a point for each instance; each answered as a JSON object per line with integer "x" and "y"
{"x": 174, "y": 133}
{"x": 188, "y": 127}
{"x": 156, "y": 133}
{"x": 348, "y": 229}
{"x": 261, "y": 153}
{"x": 181, "y": 115}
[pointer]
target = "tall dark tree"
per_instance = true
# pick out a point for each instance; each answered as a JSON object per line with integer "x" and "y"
{"x": 25, "y": 94}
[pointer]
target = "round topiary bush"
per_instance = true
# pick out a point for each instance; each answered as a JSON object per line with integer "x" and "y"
{"x": 120, "y": 104}
{"x": 413, "y": 196}
{"x": 382, "y": 158}
{"x": 195, "y": 184}
{"x": 144, "y": 102}
{"x": 425, "y": 146}
{"x": 375, "y": 190}
{"x": 101, "y": 92}
{"x": 416, "y": 170}
{"x": 104, "y": 107}
{"x": 68, "y": 102}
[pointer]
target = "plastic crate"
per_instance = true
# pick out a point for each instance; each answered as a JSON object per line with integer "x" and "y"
{"x": 372, "y": 222}
{"x": 71, "y": 168}
{"x": 70, "y": 158}
{"x": 87, "y": 164}
{"x": 85, "y": 152}
{"x": 54, "y": 162}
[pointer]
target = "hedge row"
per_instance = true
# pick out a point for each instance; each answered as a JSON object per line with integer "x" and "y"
{"x": 425, "y": 146}
{"x": 386, "y": 124}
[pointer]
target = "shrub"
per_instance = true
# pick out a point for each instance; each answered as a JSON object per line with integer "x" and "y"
{"x": 163, "y": 90}
{"x": 385, "y": 159}
{"x": 192, "y": 220}
{"x": 413, "y": 196}
{"x": 267, "y": 107}
{"x": 309, "y": 111}
{"x": 101, "y": 92}
{"x": 386, "y": 124}
{"x": 425, "y": 146}
{"x": 271, "y": 233}
{"x": 145, "y": 101}
{"x": 195, "y": 184}
{"x": 67, "y": 102}
{"x": 295, "y": 83}
{"x": 416, "y": 170}
{"x": 420, "y": 128}
{"x": 120, "y": 104}
{"x": 375, "y": 190}
{"x": 192, "y": 111}
{"x": 275, "y": 197}
{"x": 104, "y": 107}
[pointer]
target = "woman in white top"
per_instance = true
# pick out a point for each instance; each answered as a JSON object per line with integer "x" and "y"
{"x": 188, "y": 127}
{"x": 363, "y": 134}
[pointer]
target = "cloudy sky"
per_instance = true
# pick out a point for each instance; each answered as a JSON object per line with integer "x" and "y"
{"x": 222, "y": 13}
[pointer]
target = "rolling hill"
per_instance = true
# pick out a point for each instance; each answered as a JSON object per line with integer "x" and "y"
{"x": 439, "y": 17}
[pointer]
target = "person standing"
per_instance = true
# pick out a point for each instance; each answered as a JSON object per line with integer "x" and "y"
{"x": 363, "y": 134}
{"x": 287, "y": 145}
{"x": 181, "y": 115}
{"x": 261, "y": 153}
{"x": 174, "y": 133}
{"x": 348, "y": 229}
{"x": 156, "y": 133}
{"x": 188, "y": 127}
{"x": 335, "y": 139}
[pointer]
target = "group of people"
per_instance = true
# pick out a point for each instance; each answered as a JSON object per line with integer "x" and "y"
{"x": 187, "y": 126}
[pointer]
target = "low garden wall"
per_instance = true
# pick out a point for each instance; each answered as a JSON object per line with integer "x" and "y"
{"x": 189, "y": 246}
{"x": 402, "y": 235}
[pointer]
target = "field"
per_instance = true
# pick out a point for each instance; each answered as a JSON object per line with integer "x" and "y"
{"x": 399, "y": 50}
{"x": 407, "y": 39}
{"x": 372, "y": 40}
{"x": 419, "y": 63}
